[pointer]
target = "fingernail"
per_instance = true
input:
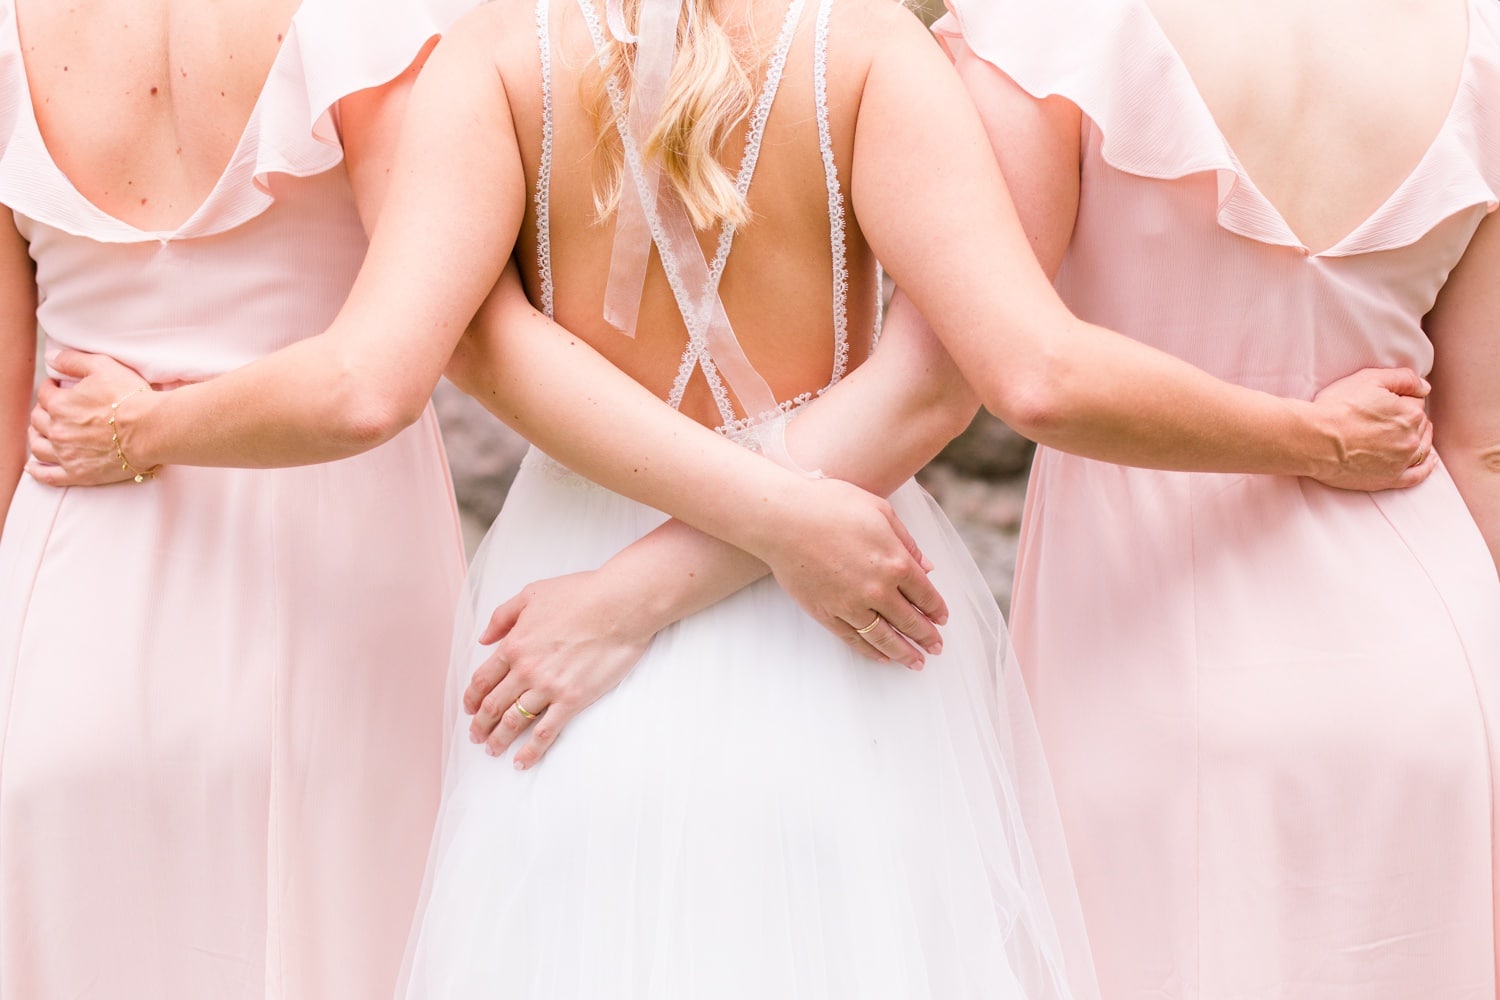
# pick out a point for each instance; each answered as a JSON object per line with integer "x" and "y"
{"x": 492, "y": 751}
{"x": 937, "y": 648}
{"x": 520, "y": 765}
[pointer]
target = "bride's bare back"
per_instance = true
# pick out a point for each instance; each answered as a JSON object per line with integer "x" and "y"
{"x": 778, "y": 286}
{"x": 1330, "y": 104}
{"x": 142, "y": 102}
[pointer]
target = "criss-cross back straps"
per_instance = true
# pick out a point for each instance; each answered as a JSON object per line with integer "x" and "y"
{"x": 694, "y": 281}
{"x": 656, "y": 48}
{"x": 705, "y": 312}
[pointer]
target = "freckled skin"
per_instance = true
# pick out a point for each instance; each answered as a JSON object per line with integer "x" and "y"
{"x": 175, "y": 143}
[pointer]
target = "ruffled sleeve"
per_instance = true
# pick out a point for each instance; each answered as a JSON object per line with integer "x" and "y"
{"x": 10, "y": 75}
{"x": 336, "y": 48}
{"x": 1107, "y": 57}
{"x": 333, "y": 48}
{"x": 1113, "y": 60}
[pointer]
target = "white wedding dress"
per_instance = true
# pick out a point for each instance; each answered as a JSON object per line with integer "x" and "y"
{"x": 755, "y": 813}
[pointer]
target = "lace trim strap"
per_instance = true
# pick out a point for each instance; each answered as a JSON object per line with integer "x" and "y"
{"x": 837, "y": 224}
{"x": 543, "y": 197}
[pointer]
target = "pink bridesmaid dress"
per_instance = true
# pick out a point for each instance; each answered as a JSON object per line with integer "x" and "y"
{"x": 1269, "y": 706}
{"x": 221, "y": 691}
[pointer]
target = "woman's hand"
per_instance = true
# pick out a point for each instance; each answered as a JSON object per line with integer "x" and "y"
{"x": 560, "y": 645}
{"x": 72, "y": 442}
{"x": 1378, "y": 417}
{"x": 845, "y": 557}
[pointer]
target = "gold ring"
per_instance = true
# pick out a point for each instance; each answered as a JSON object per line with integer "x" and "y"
{"x": 870, "y": 627}
{"x": 522, "y": 709}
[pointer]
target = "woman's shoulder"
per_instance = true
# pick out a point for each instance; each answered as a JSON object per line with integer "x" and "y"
{"x": 866, "y": 28}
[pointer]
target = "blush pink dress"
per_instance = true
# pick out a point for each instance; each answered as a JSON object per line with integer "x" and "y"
{"x": 1270, "y": 707}
{"x": 221, "y": 692}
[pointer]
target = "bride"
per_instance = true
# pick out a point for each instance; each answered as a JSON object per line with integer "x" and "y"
{"x": 752, "y": 810}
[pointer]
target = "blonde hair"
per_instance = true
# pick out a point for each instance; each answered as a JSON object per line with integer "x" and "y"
{"x": 710, "y": 92}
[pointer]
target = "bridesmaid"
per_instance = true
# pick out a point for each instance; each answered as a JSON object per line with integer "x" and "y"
{"x": 219, "y": 759}
{"x": 1270, "y": 707}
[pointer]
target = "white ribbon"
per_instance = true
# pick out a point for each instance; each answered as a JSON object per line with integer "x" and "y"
{"x": 656, "y": 51}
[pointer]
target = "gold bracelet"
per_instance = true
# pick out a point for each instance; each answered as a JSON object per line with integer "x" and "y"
{"x": 114, "y": 436}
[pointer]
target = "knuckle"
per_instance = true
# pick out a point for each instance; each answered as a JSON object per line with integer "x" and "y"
{"x": 907, "y": 622}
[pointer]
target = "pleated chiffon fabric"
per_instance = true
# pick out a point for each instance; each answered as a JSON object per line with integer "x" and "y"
{"x": 221, "y": 691}
{"x": 1270, "y": 707}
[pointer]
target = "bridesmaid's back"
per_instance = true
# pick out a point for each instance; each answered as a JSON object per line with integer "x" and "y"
{"x": 142, "y": 102}
{"x": 1330, "y": 104}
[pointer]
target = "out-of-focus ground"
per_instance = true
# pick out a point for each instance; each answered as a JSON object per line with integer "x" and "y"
{"x": 980, "y": 481}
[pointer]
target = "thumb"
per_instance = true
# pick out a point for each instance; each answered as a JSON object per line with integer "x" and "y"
{"x": 503, "y": 620}
{"x": 1405, "y": 382}
{"x": 74, "y": 364}
{"x": 909, "y": 543}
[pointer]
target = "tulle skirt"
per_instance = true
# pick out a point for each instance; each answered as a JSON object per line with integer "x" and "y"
{"x": 755, "y": 811}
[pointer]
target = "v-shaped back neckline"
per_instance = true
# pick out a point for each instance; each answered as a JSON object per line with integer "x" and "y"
{"x": 1289, "y": 234}
{"x": 205, "y": 207}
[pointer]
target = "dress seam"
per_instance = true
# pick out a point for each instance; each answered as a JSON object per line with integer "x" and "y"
{"x": 1485, "y": 723}
{"x": 10, "y": 700}
{"x": 275, "y": 930}
{"x": 1197, "y": 747}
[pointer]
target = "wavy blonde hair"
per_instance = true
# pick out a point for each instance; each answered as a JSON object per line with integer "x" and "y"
{"x": 709, "y": 94}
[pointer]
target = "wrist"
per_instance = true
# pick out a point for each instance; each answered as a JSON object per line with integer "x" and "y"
{"x": 764, "y": 522}
{"x": 643, "y": 603}
{"x": 1320, "y": 442}
{"x": 131, "y": 427}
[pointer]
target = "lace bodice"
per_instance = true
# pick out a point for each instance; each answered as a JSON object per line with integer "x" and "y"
{"x": 695, "y": 285}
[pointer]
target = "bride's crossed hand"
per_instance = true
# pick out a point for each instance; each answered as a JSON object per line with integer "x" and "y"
{"x": 847, "y": 559}
{"x": 561, "y": 644}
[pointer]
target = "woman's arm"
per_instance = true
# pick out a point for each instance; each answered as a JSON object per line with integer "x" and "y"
{"x": 567, "y": 641}
{"x": 969, "y": 267}
{"x": 17, "y": 355}
{"x": 1465, "y": 330}
{"x": 324, "y": 398}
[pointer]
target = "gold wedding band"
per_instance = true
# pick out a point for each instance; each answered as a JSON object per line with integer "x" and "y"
{"x": 870, "y": 627}
{"x": 522, "y": 709}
